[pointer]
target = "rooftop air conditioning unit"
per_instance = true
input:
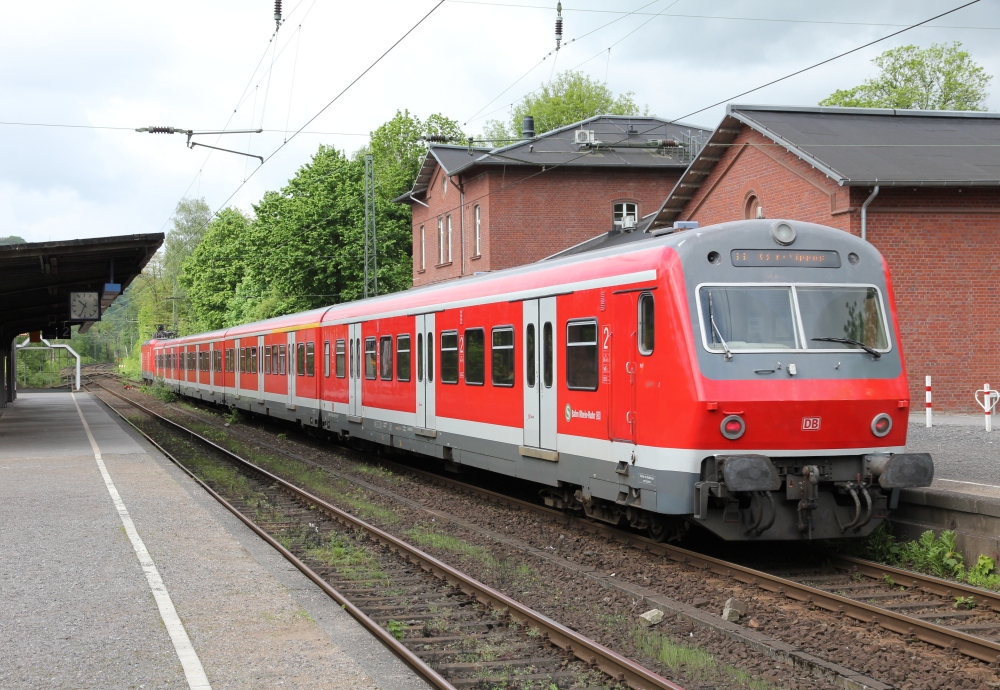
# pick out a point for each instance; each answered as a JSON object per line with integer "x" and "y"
{"x": 628, "y": 223}
{"x": 584, "y": 136}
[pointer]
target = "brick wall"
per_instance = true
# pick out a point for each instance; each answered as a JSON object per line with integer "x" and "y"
{"x": 526, "y": 216}
{"x": 941, "y": 245}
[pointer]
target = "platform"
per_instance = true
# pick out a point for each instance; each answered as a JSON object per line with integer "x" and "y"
{"x": 81, "y": 604}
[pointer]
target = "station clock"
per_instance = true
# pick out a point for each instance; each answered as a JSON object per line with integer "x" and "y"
{"x": 84, "y": 306}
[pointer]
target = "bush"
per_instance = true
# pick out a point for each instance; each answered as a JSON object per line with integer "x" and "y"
{"x": 160, "y": 391}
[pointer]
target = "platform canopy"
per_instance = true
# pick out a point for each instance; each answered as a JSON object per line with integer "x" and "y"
{"x": 36, "y": 278}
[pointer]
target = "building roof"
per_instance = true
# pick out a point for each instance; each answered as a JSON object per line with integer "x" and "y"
{"x": 860, "y": 147}
{"x": 617, "y": 141}
{"x": 38, "y": 276}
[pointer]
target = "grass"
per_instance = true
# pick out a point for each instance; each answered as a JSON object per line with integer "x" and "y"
{"x": 377, "y": 472}
{"x": 396, "y": 628}
{"x": 505, "y": 573}
{"x": 930, "y": 554}
{"x": 160, "y": 391}
{"x": 693, "y": 662}
{"x": 353, "y": 561}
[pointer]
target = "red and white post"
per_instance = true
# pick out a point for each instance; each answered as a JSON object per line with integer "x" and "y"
{"x": 988, "y": 402}
{"x": 929, "y": 407}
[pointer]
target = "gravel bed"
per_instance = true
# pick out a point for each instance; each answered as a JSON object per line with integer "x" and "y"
{"x": 609, "y": 616}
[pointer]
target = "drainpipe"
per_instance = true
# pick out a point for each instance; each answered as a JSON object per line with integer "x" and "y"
{"x": 461, "y": 223}
{"x": 864, "y": 214}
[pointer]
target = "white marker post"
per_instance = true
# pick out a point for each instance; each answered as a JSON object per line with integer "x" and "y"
{"x": 929, "y": 413}
{"x": 988, "y": 402}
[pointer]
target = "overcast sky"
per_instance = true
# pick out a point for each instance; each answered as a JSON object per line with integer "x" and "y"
{"x": 207, "y": 65}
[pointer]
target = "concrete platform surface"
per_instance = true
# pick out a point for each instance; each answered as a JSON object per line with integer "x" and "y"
{"x": 77, "y": 608}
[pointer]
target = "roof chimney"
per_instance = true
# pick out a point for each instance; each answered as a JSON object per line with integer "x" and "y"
{"x": 528, "y": 127}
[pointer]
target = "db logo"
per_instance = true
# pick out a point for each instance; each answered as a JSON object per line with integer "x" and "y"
{"x": 810, "y": 423}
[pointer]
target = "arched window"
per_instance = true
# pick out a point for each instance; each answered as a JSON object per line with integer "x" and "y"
{"x": 751, "y": 206}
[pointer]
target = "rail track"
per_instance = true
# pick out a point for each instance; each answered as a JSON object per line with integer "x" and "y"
{"x": 452, "y": 630}
{"x": 908, "y": 603}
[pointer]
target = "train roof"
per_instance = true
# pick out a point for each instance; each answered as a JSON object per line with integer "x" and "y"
{"x": 634, "y": 261}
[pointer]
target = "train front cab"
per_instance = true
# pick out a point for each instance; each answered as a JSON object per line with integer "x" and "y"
{"x": 802, "y": 390}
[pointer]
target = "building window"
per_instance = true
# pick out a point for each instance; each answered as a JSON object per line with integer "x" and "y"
{"x": 581, "y": 355}
{"x": 502, "y": 356}
{"x": 403, "y": 357}
{"x": 626, "y": 215}
{"x": 385, "y": 358}
{"x": 475, "y": 357}
{"x": 440, "y": 240}
{"x": 646, "y": 324}
{"x": 423, "y": 249}
{"x": 449, "y": 357}
{"x": 449, "y": 238}
{"x": 479, "y": 244}
{"x": 751, "y": 207}
{"x": 370, "y": 358}
{"x": 341, "y": 365}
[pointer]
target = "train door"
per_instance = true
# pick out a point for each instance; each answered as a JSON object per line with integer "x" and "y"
{"x": 622, "y": 342}
{"x": 425, "y": 371}
{"x": 541, "y": 347}
{"x": 356, "y": 371}
{"x": 290, "y": 370}
{"x": 260, "y": 367}
{"x": 236, "y": 366}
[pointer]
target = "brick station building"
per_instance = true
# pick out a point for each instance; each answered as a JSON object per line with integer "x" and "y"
{"x": 931, "y": 181}
{"x": 478, "y": 209}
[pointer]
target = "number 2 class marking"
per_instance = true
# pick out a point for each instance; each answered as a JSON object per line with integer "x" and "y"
{"x": 607, "y": 336}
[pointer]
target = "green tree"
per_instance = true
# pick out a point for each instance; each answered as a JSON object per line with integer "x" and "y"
{"x": 12, "y": 239}
{"x": 942, "y": 77}
{"x": 211, "y": 274}
{"x": 570, "y": 97}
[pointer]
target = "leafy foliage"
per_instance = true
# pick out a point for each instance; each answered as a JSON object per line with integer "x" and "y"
{"x": 942, "y": 77}
{"x": 12, "y": 239}
{"x": 937, "y": 556}
{"x": 570, "y": 97}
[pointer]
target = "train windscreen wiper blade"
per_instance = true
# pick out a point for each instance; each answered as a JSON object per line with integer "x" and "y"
{"x": 715, "y": 329}
{"x": 850, "y": 341}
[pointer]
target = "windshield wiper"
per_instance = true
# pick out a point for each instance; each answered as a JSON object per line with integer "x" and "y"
{"x": 711, "y": 318}
{"x": 849, "y": 341}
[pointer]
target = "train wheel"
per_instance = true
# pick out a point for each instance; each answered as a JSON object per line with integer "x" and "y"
{"x": 658, "y": 530}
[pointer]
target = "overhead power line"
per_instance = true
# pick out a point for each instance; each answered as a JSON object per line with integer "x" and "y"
{"x": 714, "y": 16}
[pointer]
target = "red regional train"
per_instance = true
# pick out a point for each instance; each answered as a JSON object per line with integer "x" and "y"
{"x": 746, "y": 377}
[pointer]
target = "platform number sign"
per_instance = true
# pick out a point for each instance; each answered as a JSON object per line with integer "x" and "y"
{"x": 811, "y": 423}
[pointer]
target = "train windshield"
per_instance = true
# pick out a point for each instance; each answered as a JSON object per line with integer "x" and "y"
{"x": 792, "y": 317}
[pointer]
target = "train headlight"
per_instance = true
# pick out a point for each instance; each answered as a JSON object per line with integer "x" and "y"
{"x": 783, "y": 233}
{"x": 881, "y": 425}
{"x": 732, "y": 427}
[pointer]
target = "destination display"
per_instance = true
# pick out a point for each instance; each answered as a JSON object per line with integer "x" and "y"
{"x": 807, "y": 258}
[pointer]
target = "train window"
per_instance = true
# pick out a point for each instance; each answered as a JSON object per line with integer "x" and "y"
{"x": 274, "y": 359}
{"x": 243, "y": 360}
{"x": 403, "y": 357}
{"x": 646, "y": 324}
{"x": 420, "y": 357}
{"x": 529, "y": 354}
{"x": 310, "y": 359}
{"x": 385, "y": 358}
{"x": 581, "y": 355}
{"x": 339, "y": 366}
{"x": 300, "y": 359}
{"x": 548, "y": 347}
{"x": 430, "y": 356}
{"x": 449, "y": 357}
{"x": 326, "y": 359}
{"x": 267, "y": 359}
{"x": 371, "y": 358}
{"x": 253, "y": 360}
{"x": 851, "y": 312}
{"x": 502, "y": 356}
{"x": 218, "y": 360}
{"x": 281, "y": 359}
{"x": 748, "y": 318}
{"x": 475, "y": 356}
